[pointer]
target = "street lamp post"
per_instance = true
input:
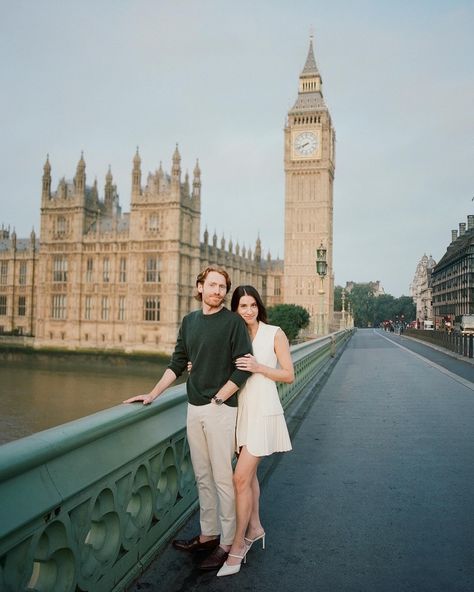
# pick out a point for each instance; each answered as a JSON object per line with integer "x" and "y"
{"x": 321, "y": 270}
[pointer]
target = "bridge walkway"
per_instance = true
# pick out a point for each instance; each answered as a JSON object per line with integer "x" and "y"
{"x": 377, "y": 493}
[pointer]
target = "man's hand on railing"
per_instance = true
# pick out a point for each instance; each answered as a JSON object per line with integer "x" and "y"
{"x": 165, "y": 381}
{"x": 145, "y": 399}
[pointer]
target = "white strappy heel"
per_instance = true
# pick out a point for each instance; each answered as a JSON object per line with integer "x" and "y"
{"x": 229, "y": 570}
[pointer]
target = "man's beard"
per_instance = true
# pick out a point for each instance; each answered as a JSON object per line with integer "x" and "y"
{"x": 214, "y": 301}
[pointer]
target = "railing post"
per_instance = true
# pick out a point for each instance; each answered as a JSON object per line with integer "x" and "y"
{"x": 333, "y": 346}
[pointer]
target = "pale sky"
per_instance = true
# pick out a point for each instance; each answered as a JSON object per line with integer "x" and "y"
{"x": 218, "y": 77}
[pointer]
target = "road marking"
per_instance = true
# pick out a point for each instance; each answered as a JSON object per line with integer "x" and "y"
{"x": 467, "y": 383}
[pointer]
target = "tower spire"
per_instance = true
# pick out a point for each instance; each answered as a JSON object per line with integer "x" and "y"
{"x": 310, "y": 92}
{"x": 197, "y": 181}
{"x": 47, "y": 178}
{"x": 310, "y": 78}
{"x": 80, "y": 178}
{"x": 136, "y": 175}
{"x": 109, "y": 192}
{"x": 310, "y": 67}
{"x": 176, "y": 168}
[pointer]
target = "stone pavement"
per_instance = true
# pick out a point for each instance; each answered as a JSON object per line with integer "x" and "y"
{"x": 377, "y": 494}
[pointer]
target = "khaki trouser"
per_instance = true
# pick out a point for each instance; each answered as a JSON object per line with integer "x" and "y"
{"x": 211, "y": 437}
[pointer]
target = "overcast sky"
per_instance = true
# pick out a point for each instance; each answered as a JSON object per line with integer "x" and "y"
{"x": 218, "y": 77}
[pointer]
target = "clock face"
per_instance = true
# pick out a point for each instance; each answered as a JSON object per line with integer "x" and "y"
{"x": 306, "y": 143}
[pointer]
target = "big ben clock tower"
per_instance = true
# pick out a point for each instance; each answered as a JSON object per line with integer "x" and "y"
{"x": 309, "y": 174}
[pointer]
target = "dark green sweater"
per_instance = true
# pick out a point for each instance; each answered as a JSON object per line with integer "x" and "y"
{"x": 212, "y": 343}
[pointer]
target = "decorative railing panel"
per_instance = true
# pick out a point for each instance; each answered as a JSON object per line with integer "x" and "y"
{"x": 84, "y": 506}
{"x": 455, "y": 342}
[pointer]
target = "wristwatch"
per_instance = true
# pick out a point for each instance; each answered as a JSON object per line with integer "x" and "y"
{"x": 217, "y": 401}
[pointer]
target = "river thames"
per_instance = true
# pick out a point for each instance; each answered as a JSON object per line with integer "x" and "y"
{"x": 39, "y": 394}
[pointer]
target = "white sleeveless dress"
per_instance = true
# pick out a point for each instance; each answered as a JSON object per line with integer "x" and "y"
{"x": 261, "y": 424}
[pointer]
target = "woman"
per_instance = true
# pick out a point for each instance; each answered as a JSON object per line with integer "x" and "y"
{"x": 261, "y": 426}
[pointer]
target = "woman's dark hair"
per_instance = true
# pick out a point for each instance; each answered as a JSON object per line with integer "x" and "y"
{"x": 249, "y": 291}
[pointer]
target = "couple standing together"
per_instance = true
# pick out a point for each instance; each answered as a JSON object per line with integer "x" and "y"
{"x": 224, "y": 355}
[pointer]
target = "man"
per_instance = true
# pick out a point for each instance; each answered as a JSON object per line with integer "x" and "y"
{"x": 211, "y": 338}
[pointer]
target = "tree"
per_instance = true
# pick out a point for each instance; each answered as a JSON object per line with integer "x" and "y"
{"x": 338, "y": 297}
{"x": 384, "y": 309}
{"x": 406, "y": 308}
{"x": 371, "y": 311}
{"x": 362, "y": 299}
{"x": 290, "y": 317}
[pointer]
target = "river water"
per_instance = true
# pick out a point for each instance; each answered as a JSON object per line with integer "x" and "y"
{"x": 39, "y": 394}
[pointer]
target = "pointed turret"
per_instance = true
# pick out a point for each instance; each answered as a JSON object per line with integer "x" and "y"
{"x": 176, "y": 168}
{"x": 258, "y": 250}
{"x": 33, "y": 239}
{"x": 109, "y": 192}
{"x": 186, "y": 185}
{"x": 214, "y": 239}
{"x": 136, "y": 175}
{"x": 197, "y": 181}
{"x": 80, "y": 178}
{"x": 46, "y": 192}
{"x": 95, "y": 193}
{"x": 206, "y": 236}
{"x": 108, "y": 176}
{"x": 62, "y": 188}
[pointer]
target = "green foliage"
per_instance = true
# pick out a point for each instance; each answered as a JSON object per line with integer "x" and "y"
{"x": 338, "y": 298}
{"x": 370, "y": 311}
{"x": 362, "y": 299}
{"x": 290, "y": 317}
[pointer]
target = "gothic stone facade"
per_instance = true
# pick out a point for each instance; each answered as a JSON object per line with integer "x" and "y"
{"x": 103, "y": 279}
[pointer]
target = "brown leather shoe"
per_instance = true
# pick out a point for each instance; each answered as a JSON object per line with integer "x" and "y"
{"x": 195, "y": 544}
{"x": 215, "y": 560}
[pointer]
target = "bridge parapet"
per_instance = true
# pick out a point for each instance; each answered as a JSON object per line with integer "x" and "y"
{"x": 85, "y": 505}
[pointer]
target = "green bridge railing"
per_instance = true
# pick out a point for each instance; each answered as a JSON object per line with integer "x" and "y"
{"x": 86, "y": 505}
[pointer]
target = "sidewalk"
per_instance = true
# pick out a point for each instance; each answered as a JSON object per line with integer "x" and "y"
{"x": 376, "y": 495}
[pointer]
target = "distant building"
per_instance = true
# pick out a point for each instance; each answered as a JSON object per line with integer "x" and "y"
{"x": 453, "y": 277}
{"x": 376, "y": 287}
{"x": 420, "y": 289}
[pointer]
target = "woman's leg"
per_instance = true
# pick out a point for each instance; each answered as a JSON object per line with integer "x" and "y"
{"x": 244, "y": 474}
{"x": 255, "y": 528}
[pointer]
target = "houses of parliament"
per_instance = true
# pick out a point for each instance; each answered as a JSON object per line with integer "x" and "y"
{"x": 97, "y": 278}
